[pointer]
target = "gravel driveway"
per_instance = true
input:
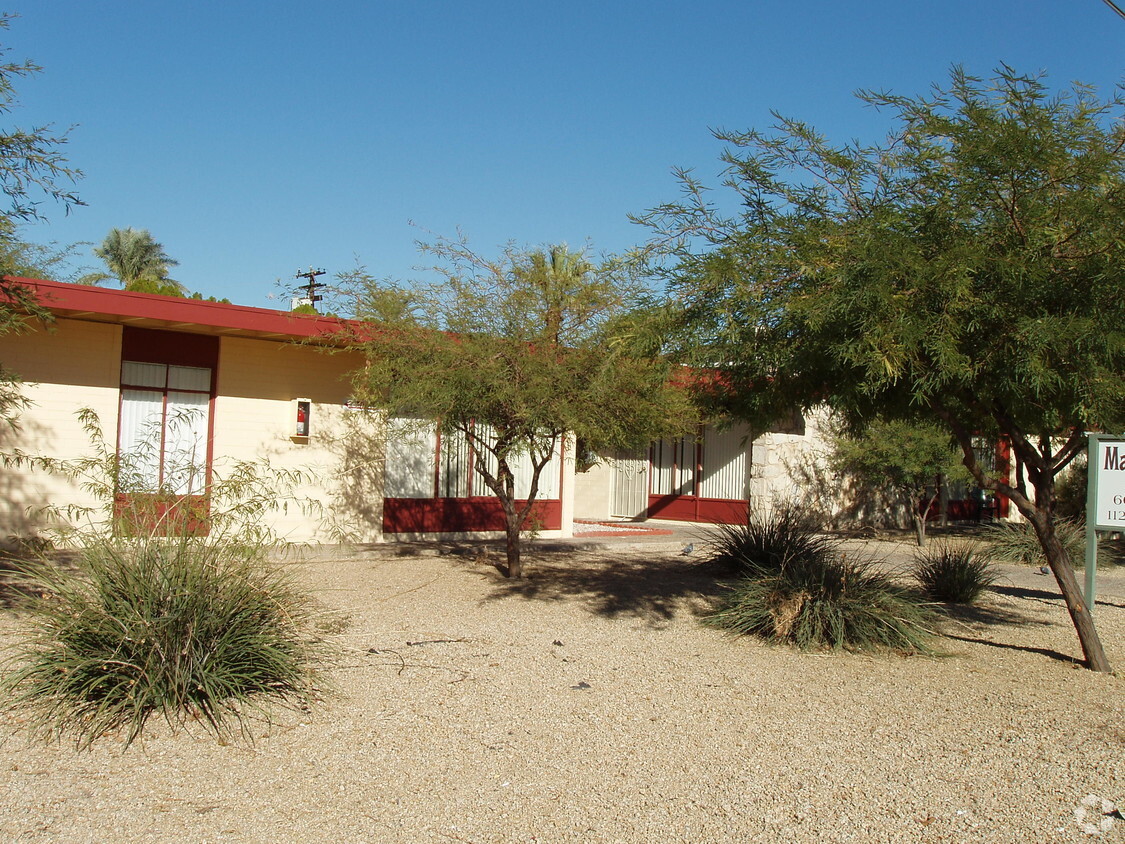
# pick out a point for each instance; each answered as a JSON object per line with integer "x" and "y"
{"x": 588, "y": 704}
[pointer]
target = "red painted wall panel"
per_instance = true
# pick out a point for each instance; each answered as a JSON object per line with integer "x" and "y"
{"x": 460, "y": 515}
{"x": 687, "y": 508}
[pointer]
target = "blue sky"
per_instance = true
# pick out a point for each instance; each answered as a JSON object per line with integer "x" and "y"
{"x": 256, "y": 138}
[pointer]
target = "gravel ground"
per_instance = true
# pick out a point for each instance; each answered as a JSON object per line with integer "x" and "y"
{"x": 588, "y": 704}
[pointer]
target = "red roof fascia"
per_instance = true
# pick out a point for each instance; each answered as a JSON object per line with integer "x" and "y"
{"x": 700, "y": 379}
{"x": 80, "y": 298}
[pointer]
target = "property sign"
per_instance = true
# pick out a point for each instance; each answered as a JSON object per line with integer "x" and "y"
{"x": 1107, "y": 483}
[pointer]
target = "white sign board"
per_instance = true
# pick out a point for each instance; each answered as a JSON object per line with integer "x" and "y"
{"x": 1107, "y": 474}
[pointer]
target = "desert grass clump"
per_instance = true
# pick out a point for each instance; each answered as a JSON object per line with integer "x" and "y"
{"x": 953, "y": 575}
{"x": 1017, "y": 543}
{"x": 184, "y": 628}
{"x": 828, "y": 601}
{"x": 767, "y": 541}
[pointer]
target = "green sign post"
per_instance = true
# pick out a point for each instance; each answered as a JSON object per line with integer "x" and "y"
{"x": 1105, "y": 499}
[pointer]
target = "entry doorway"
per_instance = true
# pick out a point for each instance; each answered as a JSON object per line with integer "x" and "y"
{"x": 630, "y": 486}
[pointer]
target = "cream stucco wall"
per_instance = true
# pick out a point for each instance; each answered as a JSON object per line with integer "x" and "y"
{"x": 593, "y": 492}
{"x": 254, "y": 420}
{"x": 73, "y": 365}
{"x": 77, "y": 365}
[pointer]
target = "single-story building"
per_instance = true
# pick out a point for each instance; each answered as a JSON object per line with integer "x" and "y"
{"x": 184, "y": 391}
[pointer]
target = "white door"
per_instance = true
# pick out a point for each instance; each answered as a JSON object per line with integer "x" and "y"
{"x": 630, "y": 486}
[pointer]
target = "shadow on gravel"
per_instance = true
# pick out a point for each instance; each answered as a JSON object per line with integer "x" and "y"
{"x": 988, "y": 616}
{"x": 13, "y": 589}
{"x": 1032, "y": 594}
{"x": 1053, "y": 598}
{"x": 655, "y": 589}
{"x": 10, "y": 589}
{"x": 1047, "y": 652}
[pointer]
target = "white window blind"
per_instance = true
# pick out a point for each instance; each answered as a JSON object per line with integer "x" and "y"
{"x": 663, "y": 461}
{"x": 185, "y": 443}
{"x": 139, "y": 442}
{"x": 162, "y": 436}
{"x": 455, "y": 471}
{"x": 413, "y": 455}
{"x": 724, "y": 464}
{"x": 673, "y": 467}
{"x": 411, "y": 448}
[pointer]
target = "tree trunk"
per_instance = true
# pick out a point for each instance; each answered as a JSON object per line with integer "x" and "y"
{"x": 1060, "y": 565}
{"x": 920, "y": 529}
{"x": 503, "y": 486}
{"x": 512, "y": 542}
{"x": 1042, "y": 466}
{"x": 909, "y": 497}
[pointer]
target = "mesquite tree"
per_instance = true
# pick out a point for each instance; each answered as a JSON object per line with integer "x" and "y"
{"x": 32, "y": 168}
{"x": 515, "y": 354}
{"x": 970, "y": 268}
{"x": 907, "y": 462}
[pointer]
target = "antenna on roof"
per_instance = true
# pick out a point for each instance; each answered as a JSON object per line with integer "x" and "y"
{"x": 310, "y": 287}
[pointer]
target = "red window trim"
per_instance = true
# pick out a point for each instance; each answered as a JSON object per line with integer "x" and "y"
{"x": 167, "y": 514}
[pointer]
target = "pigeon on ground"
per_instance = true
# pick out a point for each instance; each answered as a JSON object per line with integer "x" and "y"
{"x": 1044, "y": 570}
{"x": 688, "y": 549}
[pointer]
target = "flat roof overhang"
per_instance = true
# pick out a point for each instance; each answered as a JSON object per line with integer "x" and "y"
{"x": 170, "y": 313}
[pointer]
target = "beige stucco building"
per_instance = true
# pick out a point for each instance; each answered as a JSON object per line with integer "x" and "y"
{"x": 185, "y": 392}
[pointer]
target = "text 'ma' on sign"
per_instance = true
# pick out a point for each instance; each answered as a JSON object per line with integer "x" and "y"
{"x": 1108, "y": 475}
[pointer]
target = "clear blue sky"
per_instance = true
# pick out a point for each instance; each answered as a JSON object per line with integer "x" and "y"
{"x": 256, "y": 138}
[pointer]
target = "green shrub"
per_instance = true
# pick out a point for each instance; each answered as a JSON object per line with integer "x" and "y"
{"x": 1070, "y": 491}
{"x": 767, "y": 541}
{"x": 828, "y": 600}
{"x": 183, "y": 628}
{"x": 169, "y": 606}
{"x": 953, "y": 575}
{"x": 1016, "y": 542}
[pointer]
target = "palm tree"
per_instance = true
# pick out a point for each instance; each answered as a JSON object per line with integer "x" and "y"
{"x": 138, "y": 262}
{"x": 558, "y": 275}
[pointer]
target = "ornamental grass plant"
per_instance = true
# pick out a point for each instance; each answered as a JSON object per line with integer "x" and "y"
{"x": 828, "y": 600}
{"x": 185, "y": 629}
{"x": 767, "y": 541}
{"x": 799, "y": 587}
{"x": 167, "y": 606}
{"x": 953, "y": 574}
{"x": 1017, "y": 543}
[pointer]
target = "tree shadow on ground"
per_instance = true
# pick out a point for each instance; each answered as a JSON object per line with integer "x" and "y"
{"x": 1043, "y": 595}
{"x": 1047, "y": 652}
{"x": 988, "y": 615}
{"x": 657, "y": 588}
{"x": 1053, "y": 598}
{"x": 652, "y": 588}
{"x": 13, "y": 588}
{"x": 978, "y": 618}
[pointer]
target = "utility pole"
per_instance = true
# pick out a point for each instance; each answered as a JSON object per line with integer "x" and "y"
{"x": 311, "y": 285}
